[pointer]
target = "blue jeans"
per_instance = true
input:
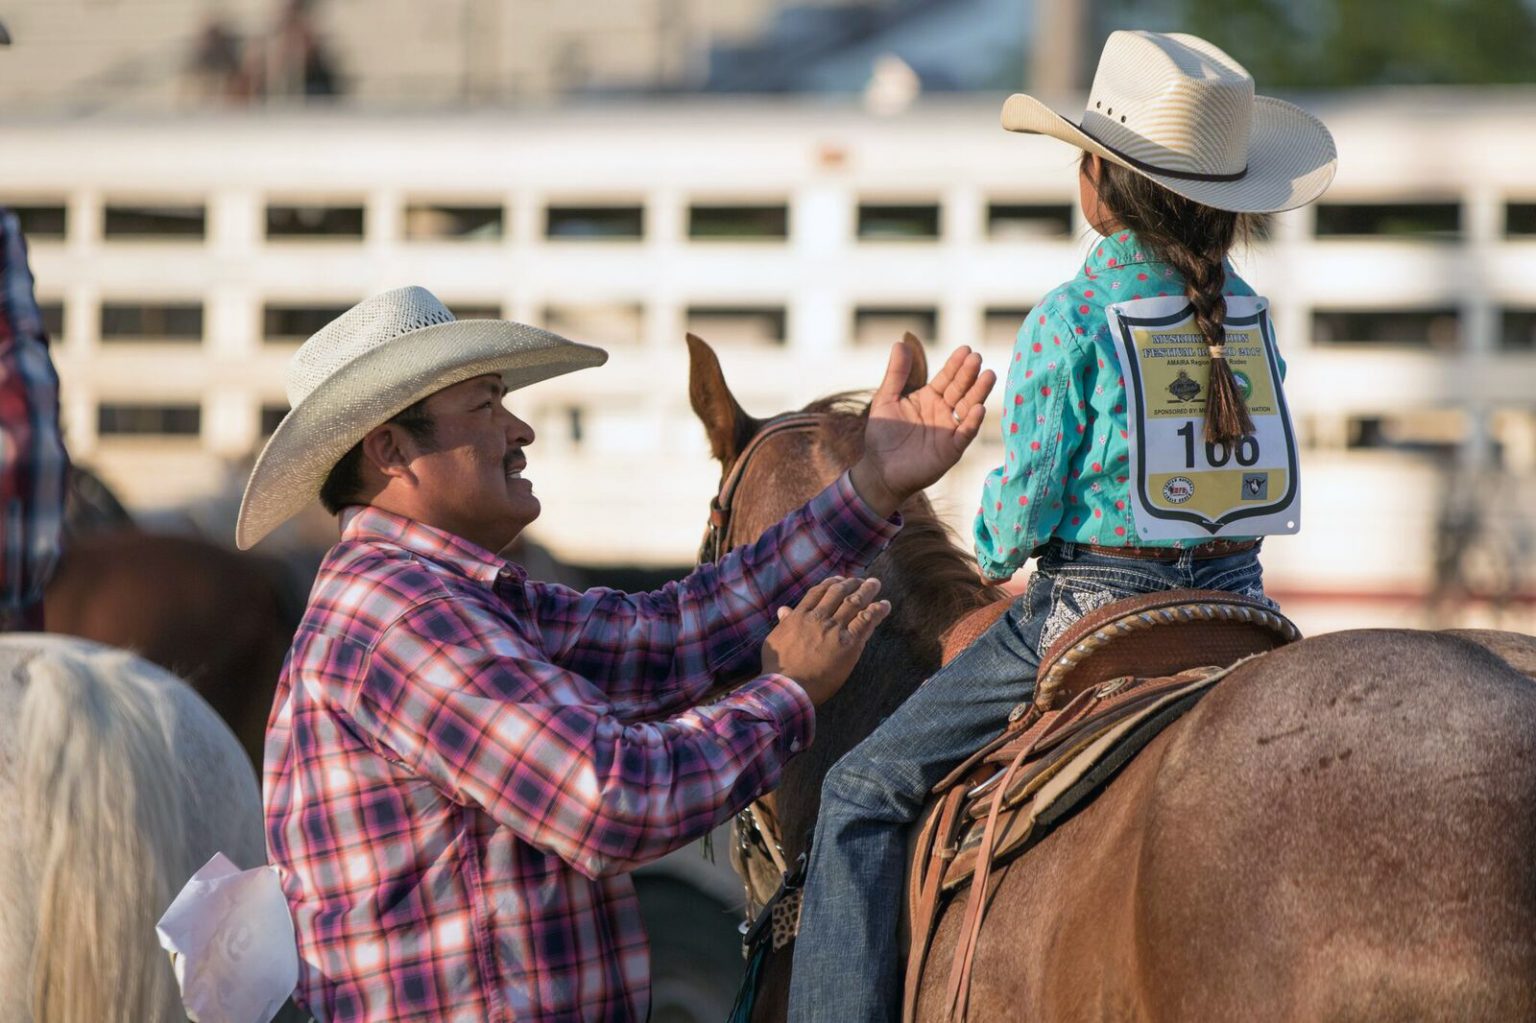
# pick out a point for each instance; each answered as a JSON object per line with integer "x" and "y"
{"x": 847, "y": 957}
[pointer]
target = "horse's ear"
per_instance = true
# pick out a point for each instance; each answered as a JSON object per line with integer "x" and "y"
{"x": 728, "y": 427}
{"x": 917, "y": 376}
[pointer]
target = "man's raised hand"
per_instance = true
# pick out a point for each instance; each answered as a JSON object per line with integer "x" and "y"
{"x": 911, "y": 440}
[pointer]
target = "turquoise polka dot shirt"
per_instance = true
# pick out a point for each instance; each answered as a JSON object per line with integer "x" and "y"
{"x": 1065, "y": 470}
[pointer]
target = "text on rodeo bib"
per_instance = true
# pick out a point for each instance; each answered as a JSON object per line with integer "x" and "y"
{"x": 1181, "y": 487}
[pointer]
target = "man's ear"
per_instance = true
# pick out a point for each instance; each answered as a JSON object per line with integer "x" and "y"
{"x": 385, "y": 456}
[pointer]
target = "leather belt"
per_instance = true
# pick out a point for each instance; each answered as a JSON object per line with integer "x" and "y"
{"x": 1209, "y": 549}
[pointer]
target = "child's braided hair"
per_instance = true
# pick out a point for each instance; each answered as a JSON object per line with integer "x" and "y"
{"x": 1194, "y": 239}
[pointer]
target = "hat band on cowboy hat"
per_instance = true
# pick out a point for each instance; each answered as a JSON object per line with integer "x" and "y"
{"x": 1178, "y": 110}
{"x": 381, "y": 356}
{"x": 1148, "y": 168}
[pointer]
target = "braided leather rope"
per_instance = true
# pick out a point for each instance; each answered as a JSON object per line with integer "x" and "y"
{"x": 1223, "y": 610}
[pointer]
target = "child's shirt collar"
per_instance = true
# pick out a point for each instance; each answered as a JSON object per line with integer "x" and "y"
{"x": 1116, "y": 250}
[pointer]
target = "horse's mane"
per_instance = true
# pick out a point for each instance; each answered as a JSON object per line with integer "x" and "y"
{"x": 103, "y": 826}
{"x": 938, "y": 577}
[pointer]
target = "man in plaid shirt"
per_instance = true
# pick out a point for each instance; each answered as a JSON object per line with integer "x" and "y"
{"x": 33, "y": 465}
{"x": 463, "y": 763}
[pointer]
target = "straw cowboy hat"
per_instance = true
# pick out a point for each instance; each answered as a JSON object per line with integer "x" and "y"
{"x": 1181, "y": 112}
{"x": 377, "y": 358}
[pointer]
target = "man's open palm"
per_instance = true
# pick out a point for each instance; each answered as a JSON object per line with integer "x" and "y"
{"x": 912, "y": 440}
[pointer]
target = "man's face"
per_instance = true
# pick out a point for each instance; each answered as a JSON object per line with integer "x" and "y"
{"x": 469, "y": 478}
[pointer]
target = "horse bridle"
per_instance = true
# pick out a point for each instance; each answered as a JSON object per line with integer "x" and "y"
{"x": 717, "y": 539}
{"x": 756, "y": 831}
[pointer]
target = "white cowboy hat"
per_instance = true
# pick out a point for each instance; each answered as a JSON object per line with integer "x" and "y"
{"x": 377, "y": 358}
{"x": 1181, "y": 112}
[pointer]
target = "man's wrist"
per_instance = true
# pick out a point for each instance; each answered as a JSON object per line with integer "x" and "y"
{"x": 872, "y": 490}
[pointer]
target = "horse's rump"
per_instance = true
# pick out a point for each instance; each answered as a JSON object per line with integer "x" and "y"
{"x": 1339, "y": 830}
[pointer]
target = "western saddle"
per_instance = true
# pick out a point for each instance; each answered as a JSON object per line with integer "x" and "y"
{"x": 1104, "y": 690}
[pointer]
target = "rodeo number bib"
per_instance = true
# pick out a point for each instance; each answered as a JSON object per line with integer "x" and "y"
{"x": 1181, "y": 487}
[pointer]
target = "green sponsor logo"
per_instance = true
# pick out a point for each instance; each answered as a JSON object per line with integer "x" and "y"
{"x": 1244, "y": 384}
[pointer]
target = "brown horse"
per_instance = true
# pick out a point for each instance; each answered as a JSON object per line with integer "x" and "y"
{"x": 1340, "y": 830}
{"x": 221, "y": 619}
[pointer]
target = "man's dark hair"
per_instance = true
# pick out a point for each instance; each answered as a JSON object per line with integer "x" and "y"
{"x": 341, "y": 487}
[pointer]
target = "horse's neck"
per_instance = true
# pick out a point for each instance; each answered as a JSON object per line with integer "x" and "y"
{"x": 894, "y": 664}
{"x": 928, "y": 592}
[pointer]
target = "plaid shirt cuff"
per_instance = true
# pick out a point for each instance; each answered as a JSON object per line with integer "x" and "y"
{"x": 780, "y": 698}
{"x": 850, "y": 525}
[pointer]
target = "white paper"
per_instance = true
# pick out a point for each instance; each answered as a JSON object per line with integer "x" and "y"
{"x": 231, "y": 941}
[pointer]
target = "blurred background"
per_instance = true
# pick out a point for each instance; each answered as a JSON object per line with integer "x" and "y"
{"x": 206, "y": 182}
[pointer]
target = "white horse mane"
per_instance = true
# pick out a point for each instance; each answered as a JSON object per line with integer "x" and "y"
{"x": 116, "y": 782}
{"x": 100, "y": 801}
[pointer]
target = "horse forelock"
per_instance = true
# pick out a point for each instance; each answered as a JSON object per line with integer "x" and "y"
{"x": 850, "y": 406}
